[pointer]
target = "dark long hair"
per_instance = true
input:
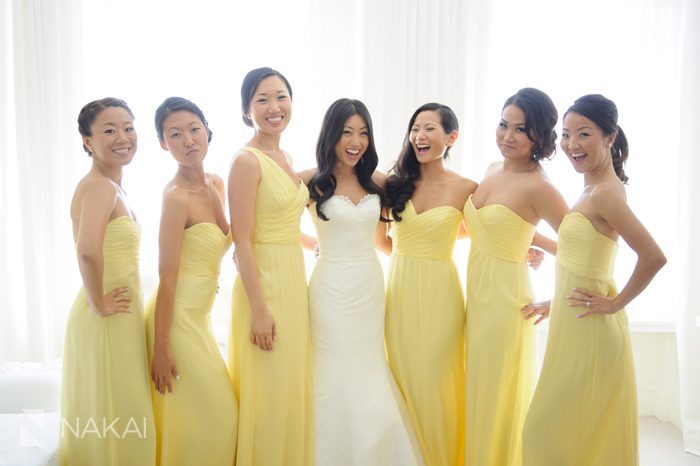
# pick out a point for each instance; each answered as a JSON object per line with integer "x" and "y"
{"x": 88, "y": 114}
{"x": 603, "y": 112}
{"x": 322, "y": 184}
{"x": 178, "y": 104}
{"x": 401, "y": 181}
{"x": 540, "y": 120}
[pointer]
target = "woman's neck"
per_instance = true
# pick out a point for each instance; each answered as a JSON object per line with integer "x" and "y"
{"x": 113, "y": 173}
{"x": 433, "y": 170}
{"x": 266, "y": 142}
{"x": 520, "y": 165}
{"x": 602, "y": 173}
{"x": 192, "y": 176}
{"x": 340, "y": 170}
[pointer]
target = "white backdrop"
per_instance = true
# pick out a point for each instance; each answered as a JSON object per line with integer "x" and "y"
{"x": 394, "y": 55}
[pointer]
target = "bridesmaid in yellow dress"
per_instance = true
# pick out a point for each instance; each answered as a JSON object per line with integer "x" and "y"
{"x": 106, "y": 411}
{"x": 584, "y": 411}
{"x": 501, "y": 217}
{"x": 425, "y": 303}
{"x": 196, "y": 413}
{"x": 270, "y": 346}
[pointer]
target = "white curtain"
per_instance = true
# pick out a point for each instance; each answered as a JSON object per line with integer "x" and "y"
{"x": 688, "y": 272}
{"x": 40, "y": 77}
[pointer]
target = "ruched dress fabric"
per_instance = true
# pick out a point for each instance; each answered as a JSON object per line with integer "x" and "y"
{"x": 584, "y": 411}
{"x": 357, "y": 406}
{"x": 425, "y": 329}
{"x": 501, "y": 354}
{"x": 106, "y": 411}
{"x": 197, "y": 422}
{"x": 274, "y": 388}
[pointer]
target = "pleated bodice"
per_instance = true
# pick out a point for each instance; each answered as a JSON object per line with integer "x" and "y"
{"x": 428, "y": 235}
{"x": 203, "y": 246}
{"x": 120, "y": 249}
{"x": 279, "y": 204}
{"x": 498, "y": 231}
{"x": 583, "y": 250}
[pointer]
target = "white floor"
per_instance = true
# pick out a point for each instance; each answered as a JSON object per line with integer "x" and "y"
{"x": 661, "y": 444}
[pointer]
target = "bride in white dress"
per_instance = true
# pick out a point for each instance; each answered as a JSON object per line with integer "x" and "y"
{"x": 359, "y": 413}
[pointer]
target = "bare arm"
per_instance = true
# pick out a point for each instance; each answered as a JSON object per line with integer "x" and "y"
{"x": 243, "y": 181}
{"x": 306, "y": 175}
{"x": 545, "y": 243}
{"x": 382, "y": 237}
{"x": 549, "y": 205}
{"x": 95, "y": 210}
{"x": 613, "y": 208}
{"x": 172, "y": 229}
{"x": 309, "y": 242}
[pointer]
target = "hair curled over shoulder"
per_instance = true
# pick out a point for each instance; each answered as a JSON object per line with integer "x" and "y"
{"x": 178, "y": 104}
{"x": 400, "y": 183}
{"x": 322, "y": 184}
{"x": 250, "y": 85}
{"x": 540, "y": 119}
{"x": 90, "y": 111}
{"x": 603, "y": 112}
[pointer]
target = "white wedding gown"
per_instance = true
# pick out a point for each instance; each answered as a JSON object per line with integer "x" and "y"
{"x": 359, "y": 412}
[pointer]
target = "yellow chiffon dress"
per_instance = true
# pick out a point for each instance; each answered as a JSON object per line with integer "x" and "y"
{"x": 275, "y": 388}
{"x": 584, "y": 411}
{"x": 196, "y": 423}
{"x": 106, "y": 412}
{"x": 500, "y": 343}
{"x": 425, "y": 329}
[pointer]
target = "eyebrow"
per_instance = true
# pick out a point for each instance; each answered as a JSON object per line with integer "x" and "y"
{"x": 514, "y": 124}
{"x": 281, "y": 91}
{"x": 109, "y": 123}
{"x": 193, "y": 122}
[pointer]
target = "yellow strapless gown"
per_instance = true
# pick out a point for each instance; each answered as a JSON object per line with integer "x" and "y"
{"x": 275, "y": 388}
{"x": 107, "y": 417}
{"x": 425, "y": 330}
{"x": 584, "y": 411}
{"x": 500, "y": 343}
{"x": 196, "y": 423}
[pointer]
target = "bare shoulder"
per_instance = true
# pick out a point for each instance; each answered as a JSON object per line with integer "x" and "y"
{"x": 216, "y": 181}
{"x": 463, "y": 184}
{"x": 379, "y": 179}
{"x": 95, "y": 195}
{"x": 306, "y": 175}
{"x": 539, "y": 183}
{"x": 245, "y": 161}
{"x": 493, "y": 168}
{"x": 97, "y": 189}
{"x": 175, "y": 196}
{"x": 606, "y": 196}
{"x": 96, "y": 185}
